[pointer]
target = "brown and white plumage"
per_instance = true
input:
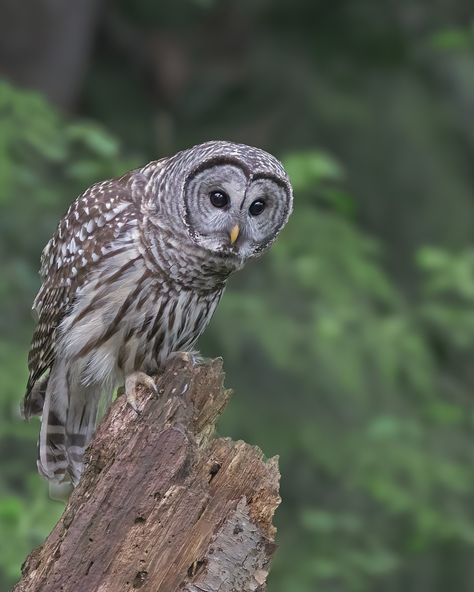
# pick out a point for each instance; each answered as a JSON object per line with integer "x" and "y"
{"x": 134, "y": 273}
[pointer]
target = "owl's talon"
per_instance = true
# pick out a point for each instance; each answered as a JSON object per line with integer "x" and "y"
{"x": 132, "y": 382}
{"x": 133, "y": 404}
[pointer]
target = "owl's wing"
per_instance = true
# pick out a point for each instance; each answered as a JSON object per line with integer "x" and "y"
{"x": 85, "y": 235}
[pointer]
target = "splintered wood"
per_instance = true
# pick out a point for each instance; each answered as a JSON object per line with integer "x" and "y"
{"x": 163, "y": 506}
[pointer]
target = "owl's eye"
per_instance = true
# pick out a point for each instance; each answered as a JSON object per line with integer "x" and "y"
{"x": 256, "y": 207}
{"x": 219, "y": 199}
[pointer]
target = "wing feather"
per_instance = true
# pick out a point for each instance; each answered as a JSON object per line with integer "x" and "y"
{"x": 87, "y": 232}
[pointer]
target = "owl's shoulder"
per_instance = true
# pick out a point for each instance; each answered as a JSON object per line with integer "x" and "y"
{"x": 93, "y": 219}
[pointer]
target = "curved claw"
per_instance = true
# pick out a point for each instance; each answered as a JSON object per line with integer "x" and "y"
{"x": 132, "y": 382}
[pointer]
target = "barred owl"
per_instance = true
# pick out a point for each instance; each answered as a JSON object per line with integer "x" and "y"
{"x": 133, "y": 274}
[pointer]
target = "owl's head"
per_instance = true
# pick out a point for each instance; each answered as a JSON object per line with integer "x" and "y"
{"x": 233, "y": 199}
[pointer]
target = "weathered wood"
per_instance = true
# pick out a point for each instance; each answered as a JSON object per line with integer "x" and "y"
{"x": 163, "y": 506}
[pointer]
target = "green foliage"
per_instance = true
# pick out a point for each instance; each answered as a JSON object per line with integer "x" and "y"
{"x": 449, "y": 277}
{"x": 453, "y": 38}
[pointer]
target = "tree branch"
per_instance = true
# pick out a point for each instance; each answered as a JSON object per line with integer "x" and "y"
{"x": 163, "y": 505}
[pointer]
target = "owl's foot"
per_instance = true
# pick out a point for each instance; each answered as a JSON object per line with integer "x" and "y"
{"x": 132, "y": 382}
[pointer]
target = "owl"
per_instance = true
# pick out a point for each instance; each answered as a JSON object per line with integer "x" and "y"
{"x": 133, "y": 274}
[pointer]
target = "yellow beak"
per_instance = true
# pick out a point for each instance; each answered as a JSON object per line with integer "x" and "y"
{"x": 234, "y": 233}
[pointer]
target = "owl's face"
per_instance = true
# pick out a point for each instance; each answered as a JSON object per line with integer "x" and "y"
{"x": 234, "y": 210}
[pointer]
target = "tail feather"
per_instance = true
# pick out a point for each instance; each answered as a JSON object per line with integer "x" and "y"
{"x": 80, "y": 426}
{"x": 52, "y": 460}
{"x": 67, "y": 425}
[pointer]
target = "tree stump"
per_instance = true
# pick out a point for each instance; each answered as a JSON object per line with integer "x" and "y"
{"x": 162, "y": 505}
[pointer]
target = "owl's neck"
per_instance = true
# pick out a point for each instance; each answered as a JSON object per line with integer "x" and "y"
{"x": 171, "y": 254}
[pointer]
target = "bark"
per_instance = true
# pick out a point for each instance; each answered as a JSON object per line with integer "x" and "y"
{"x": 162, "y": 505}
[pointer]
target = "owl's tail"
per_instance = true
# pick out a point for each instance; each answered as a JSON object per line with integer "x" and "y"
{"x": 67, "y": 424}
{"x": 52, "y": 459}
{"x": 80, "y": 426}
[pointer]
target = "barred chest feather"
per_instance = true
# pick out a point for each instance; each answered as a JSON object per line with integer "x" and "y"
{"x": 127, "y": 317}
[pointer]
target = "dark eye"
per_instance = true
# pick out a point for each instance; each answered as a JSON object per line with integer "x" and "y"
{"x": 219, "y": 199}
{"x": 257, "y": 207}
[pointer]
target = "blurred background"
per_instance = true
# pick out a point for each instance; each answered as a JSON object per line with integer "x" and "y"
{"x": 350, "y": 345}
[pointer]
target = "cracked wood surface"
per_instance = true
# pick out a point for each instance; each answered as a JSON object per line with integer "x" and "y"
{"x": 162, "y": 505}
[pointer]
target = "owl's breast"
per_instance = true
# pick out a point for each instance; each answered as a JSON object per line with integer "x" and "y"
{"x": 130, "y": 320}
{"x": 173, "y": 321}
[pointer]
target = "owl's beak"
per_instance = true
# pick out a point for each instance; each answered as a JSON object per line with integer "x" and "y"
{"x": 234, "y": 234}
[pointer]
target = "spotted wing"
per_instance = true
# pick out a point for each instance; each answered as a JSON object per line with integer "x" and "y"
{"x": 85, "y": 235}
